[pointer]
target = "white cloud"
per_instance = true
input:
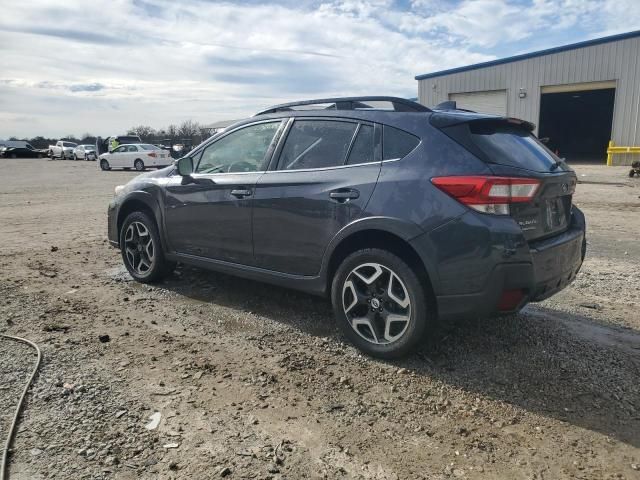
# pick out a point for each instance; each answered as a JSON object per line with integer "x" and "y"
{"x": 104, "y": 66}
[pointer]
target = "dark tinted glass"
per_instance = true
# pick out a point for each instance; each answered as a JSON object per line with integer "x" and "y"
{"x": 397, "y": 143}
{"x": 511, "y": 145}
{"x": 362, "y": 150}
{"x": 316, "y": 144}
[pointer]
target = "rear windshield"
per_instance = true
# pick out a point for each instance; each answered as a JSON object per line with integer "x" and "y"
{"x": 510, "y": 145}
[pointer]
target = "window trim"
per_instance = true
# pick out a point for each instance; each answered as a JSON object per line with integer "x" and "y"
{"x": 377, "y": 151}
{"x": 267, "y": 156}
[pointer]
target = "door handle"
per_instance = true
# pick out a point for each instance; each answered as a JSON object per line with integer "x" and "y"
{"x": 344, "y": 195}
{"x": 241, "y": 192}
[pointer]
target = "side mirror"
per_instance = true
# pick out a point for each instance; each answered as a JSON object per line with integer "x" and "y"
{"x": 185, "y": 166}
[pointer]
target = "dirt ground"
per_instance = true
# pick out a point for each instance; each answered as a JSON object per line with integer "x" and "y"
{"x": 253, "y": 381}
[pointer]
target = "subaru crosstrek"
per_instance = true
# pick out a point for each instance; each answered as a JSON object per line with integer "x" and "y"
{"x": 403, "y": 215}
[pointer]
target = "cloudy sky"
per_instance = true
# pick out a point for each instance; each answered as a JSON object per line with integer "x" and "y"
{"x": 71, "y": 66}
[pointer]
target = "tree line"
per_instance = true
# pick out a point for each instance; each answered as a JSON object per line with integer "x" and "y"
{"x": 188, "y": 132}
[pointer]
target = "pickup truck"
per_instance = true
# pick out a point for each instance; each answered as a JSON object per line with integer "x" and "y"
{"x": 62, "y": 149}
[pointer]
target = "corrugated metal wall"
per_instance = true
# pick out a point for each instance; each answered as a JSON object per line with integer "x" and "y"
{"x": 617, "y": 60}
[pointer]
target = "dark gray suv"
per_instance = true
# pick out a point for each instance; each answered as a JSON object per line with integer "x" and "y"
{"x": 401, "y": 214}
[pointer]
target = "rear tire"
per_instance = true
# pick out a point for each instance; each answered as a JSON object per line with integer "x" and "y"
{"x": 104, "y": 165}
{"x": 141, "y": 249}
{"x": 370, "y": 287}
{"x": 138, "y": 165}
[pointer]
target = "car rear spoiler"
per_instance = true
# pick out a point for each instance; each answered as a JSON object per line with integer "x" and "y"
{"x": 450, "y": 118}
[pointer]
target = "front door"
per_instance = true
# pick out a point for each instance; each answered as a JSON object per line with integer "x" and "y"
{"x": 117, "y": 158}
{"x": 324, "y": 177}
{"x": 212, "y": 218}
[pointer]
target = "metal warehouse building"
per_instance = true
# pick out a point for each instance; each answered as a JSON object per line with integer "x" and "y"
{"x": 580, "y": 96}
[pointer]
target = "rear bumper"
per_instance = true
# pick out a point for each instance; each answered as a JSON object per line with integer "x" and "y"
{"x": 553, "y": 264}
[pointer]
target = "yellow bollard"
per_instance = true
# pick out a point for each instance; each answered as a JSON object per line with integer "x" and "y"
{"x": 610, "y": 154}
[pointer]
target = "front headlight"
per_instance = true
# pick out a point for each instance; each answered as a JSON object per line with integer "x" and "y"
{"x": 119, "y": 189}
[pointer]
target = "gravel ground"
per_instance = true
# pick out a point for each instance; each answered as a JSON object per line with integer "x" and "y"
{"x": 15, "y": 368}
{"x": 253, "y": 381}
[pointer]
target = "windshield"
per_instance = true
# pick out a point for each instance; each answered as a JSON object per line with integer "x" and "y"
{"x": 28, "y": 145}
{"x": 86, "y": 146}
{"x": 69, "y": 144}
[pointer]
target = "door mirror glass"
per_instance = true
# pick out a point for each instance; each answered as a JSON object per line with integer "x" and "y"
{"x": 185, "y": 166}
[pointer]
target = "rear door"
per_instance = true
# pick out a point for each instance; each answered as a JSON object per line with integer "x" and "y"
{"x": 324, "y": 176}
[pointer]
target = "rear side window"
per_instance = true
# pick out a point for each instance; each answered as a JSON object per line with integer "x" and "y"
{"x": 316, "y": 144}
{"x": 397, "y": 143}
{"x": 362, "y": 150}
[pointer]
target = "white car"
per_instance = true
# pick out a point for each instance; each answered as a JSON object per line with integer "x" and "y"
{"x": 62, "y": 149}
{"x": 138, "y": 156}
{"x": 84, "y": 152}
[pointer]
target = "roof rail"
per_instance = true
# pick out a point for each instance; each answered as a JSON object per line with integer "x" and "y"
{"x": 350, "y": 103}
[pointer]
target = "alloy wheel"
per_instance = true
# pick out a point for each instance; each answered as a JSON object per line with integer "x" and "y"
{"x": 376, "y": 303}
{"x": 139, "y": 248}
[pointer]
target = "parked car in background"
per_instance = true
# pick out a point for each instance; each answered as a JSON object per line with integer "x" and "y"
{"x": 104, "y": 144}
{"x": 63, "y": 149}
{"x": 402, "y": 215}
{"x": 26, "y": 151}
{"x": 138, "y": 156}
{"x": 84, "y": 152}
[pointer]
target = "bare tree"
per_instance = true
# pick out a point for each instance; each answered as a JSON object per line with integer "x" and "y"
{"x": 145, "y": 132}
{"x": 189, "y": 129}
{"x": 172, "y": 132}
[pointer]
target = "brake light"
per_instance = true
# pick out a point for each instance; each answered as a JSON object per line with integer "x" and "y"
{"x": 152, "y": 154}
{"x": 488, "y": 194}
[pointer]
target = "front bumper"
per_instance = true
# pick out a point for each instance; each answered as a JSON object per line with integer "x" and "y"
{"x": 553, "y": 264}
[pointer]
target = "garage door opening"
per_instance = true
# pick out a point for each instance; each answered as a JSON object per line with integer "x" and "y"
{"x": 492, "y": 101}
{"x": 577, "y": 123}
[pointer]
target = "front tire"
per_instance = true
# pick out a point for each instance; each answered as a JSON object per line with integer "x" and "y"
{"x": 141, "y": 249}
{"x": 138, "y": 165}
{"x": 104, "y": 165}
{"x": 380, "y": 304}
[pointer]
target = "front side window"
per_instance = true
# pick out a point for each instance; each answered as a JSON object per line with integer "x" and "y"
{"x": 120, "y": 149}
{"x": 132, "y": 148}
{"x": 316, "y": 144}
{"x": 244, "y": 150}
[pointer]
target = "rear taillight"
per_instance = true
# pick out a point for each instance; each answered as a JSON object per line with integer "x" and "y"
{"x": 488, "y": 194}
{"x": 152, "y": 154}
